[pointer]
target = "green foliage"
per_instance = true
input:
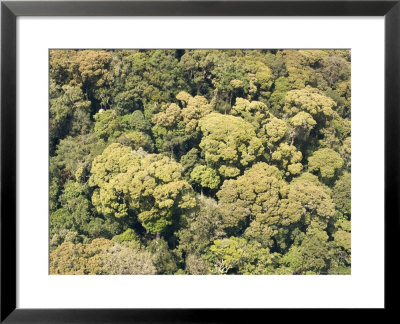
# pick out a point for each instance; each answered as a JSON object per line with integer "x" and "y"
{"x": 162, "y": 257}
{"x": 128, "y": 236}
{"x": 277, "y": 99}
{"x": 255, "y": 112}
{"x": 149, "y": 185}
{"x": 276, "y": 129}
{"x": 226, "y": 254}
{"x": 325, "y": 161}
{"x": 107, "y": 125}
{"x": 76, "y": 153}
{"x": 136, "y": 121}
{"x": 254, "y": 195}
{"x": 309, "y": 100}
{"x": 229, "y": 142}
{"x": 236, "y": 255}
{"x": 313, "y": 199}
{"x": 257, "y": 260}
{"x": 335, "y": 133}
{"x": 136, "y": 140}
{"x": 69, "y": 113}
{"x": 200, "y": 161}
{"x": 335, "y": 68}
{"x": 101, "y": 256}
{"x": 341, "y": 194}
{"x": 301, "y": 125}
{"x": 311, "y": 256}
{"x": 199, "y": 228}
{"x": 190, "y": 159}
{"x": 142, "y": 78}
{"x": 205, "y": 176}
{"x": 76, "y": 214}
{"x": 288, "y": 159}
{"x": 193, "y": 109}
{"x": 175, "y": 126}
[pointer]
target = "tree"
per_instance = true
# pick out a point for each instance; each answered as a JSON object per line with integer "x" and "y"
{"x": 277, "y": 99}
{"x": 299, "y": 68}
{"x": 101, "y": 256}
{"x": 150, "y": 185}
{"x": 225, "y": 255}
{"x": 198, "y": 66}
{"x": 254, "y": 112}
{"x": 309, "y": 100}
{"x": 93, "y": 67}
{"x": 335, "y": 68}
{"x": 136, "y": 140}
{"x": 107, "y": 125}
{"x": 195, "y": 265}
{"x": 175, "y": 127}
{"x": 311, "y": 256}
{"x": 164, "y": 259}
{"x": 198, "y": 228}
{"x": 124, "y": 260}
{"x": 229, "y": 143}
{"x": 206, "y": 177}
{"x": 345, "y": 151}
{"x": 254, "y": 195}
{"x": 59, "y": 220}
{"x": 259, "y": 73}
{"x": 230, "y": 78}
{"x": 341, "y": 194}
{"x": 78, "y": 259}
{"x": 69, "y": 113}
{"x": 194, "y": 108}
{"x": 276, "y": 129}
{"x": 304, "y": 201}
{"x": 94, "y": 76}
{"x": 169, "y": 117}
{"x": 111, "y": 127}
{"x": 233, "y": 161}
{"x": 75, "y": 154}
{"x": 77, "y": 214}
{"x": 262, "y": 233}
{"x": 288, "y": 158}
{"x": 128, "y": 236}
{"x": 257, "y": 260}
{"x": 308, "y": 200}
{"x": 340, "y": 253}
{"x": 62, "y": 66}
{"x": 136, "y": 121}
{"x": 326, "y": 162}
{"x": 236, "y": 255}
{"x": 189, "y": 160}
{"x": 64, "y": 235}
{"x": 301, "y": 125}
{"x": 335, "y": 132}
{"x": 144, "y": 78}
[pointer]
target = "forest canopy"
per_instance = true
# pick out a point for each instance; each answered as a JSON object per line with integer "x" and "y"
{"x": 195, "y": 162}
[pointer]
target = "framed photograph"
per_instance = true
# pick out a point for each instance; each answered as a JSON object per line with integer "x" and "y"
{"x": 183, "y": 161}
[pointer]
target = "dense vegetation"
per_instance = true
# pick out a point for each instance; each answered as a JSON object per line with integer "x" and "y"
{"x": 200, "y": 162}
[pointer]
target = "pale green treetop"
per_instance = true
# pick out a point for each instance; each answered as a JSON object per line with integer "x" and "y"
{"x": 229, "y": 143}
{"x": 310, "y": 100}
{"x": 325, "y": 161}
{"x": 150, "y": 185}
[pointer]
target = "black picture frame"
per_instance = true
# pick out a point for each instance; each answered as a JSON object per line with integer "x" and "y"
{"x": 10, "y": 10}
